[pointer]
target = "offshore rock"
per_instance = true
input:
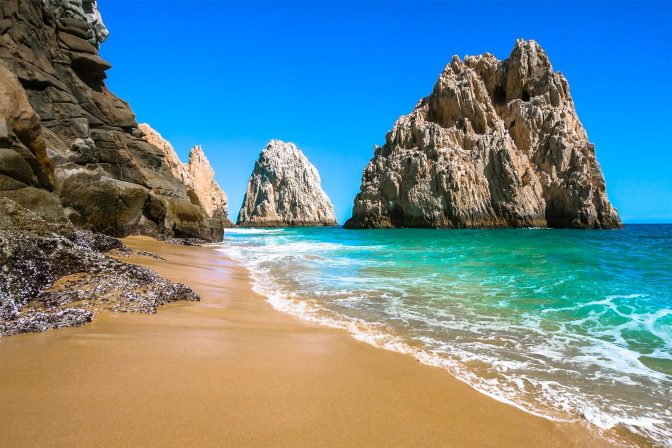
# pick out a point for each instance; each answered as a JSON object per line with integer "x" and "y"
{"x": 496, "y": 144}
{"x": 285, "y": 190}
{"x": 197, "y": 175}
{"x": 53, "y": 275}
{"x": 81, "y": 143}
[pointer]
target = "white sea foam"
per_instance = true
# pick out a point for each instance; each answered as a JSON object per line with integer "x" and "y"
{"x": 602, "y": 353}
{"x": 251, "y": 231}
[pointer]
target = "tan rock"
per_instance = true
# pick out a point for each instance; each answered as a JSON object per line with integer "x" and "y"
{"x": 210, "y": 195}
{"x": 496, "y": 144}
{"x": 173, "y": 161}
{"x": 198, "y": 175}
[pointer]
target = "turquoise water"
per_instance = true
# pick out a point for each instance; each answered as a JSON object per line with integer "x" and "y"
{"x": 563, "y": 323}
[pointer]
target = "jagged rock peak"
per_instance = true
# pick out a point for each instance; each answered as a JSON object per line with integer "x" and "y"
{"x": 173, "y": 161}
{"x": 198, "y": 175}
{"x": 285, "y": 190}
{"x": 83, "y": 11}
{"x": 496, "y": 144}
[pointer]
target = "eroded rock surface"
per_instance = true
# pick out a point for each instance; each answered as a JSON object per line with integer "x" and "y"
{"x": 81, "y": 143}
{"x": 26, "y": 174}
{"x": 197, "y": 175}
{"x": 80, "y": 11}
{"x": 496, "y": 144}
{"x": 53, "y": 275}
{"x": 285, "y": 190}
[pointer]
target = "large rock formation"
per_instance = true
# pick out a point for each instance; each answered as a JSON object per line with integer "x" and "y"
{"x": 285, "y": 190}
{"x": 71, "y": 140}
{"x": 496, "y": 144}
{"x": 197, "y": 175}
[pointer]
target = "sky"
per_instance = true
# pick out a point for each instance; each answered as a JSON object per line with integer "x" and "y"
{"x": 334, "y": 76}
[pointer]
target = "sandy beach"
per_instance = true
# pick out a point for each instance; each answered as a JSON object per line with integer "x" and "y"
{"x": 232, "y": 371}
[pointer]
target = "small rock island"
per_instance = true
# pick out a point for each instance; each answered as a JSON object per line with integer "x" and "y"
{"x": 285, "y": 190}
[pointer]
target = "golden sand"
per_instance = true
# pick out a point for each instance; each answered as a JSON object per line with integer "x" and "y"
{"x": 230, "y": 371}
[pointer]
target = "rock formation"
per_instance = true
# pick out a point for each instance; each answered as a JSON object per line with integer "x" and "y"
{"x": 72, "y": 147}
{"x": 285, "y": 190}
{"x": 83, "y": 11}
{"x": 496, "y": 144}
{"x": 197, "y": 175}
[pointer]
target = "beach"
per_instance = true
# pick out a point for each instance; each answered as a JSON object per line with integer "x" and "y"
{"x": 232, "y": 371}
{"x": 411, "y": 243}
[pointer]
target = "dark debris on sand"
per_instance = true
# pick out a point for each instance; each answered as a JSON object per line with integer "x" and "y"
{"x": 53, "y": 275}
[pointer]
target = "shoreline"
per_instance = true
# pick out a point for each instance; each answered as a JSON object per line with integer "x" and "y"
{"x": 232, "y": 370}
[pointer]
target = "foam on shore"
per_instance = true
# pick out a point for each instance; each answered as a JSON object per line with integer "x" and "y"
{"x": 295, "y": 271}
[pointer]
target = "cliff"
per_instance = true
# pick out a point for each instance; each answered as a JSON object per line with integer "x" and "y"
{"x": 496, "y": 144}
{"x": 285, "y": 190}
{"x": 197, "y": 175}
{"x": 72, "y": 147}
{"x": 72, "y": 153}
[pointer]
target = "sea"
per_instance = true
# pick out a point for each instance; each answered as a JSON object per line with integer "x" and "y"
{"x": 566, "y": 324}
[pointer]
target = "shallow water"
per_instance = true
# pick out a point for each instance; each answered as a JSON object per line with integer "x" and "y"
{"x": 563, "y": 323}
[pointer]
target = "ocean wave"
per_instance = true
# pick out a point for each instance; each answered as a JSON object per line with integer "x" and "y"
{"x": 538, "y": 364}
{"x": 555, "y": 395}
{"x": 251, "y": 231}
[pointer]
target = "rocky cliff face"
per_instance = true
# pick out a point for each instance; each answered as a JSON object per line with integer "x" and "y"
{"x": 26, "y": 174}
{"x": 285, "y": 190}
{"x": 197, "y": 175}
{"x": 71, "y": 141}
{"x": 496, "y": 144}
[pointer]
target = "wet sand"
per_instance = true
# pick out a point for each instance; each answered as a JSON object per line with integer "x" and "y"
{"x": 231, "y": 371}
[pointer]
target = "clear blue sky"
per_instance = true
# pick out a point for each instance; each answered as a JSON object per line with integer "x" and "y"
{"x": 333, "y": 77}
